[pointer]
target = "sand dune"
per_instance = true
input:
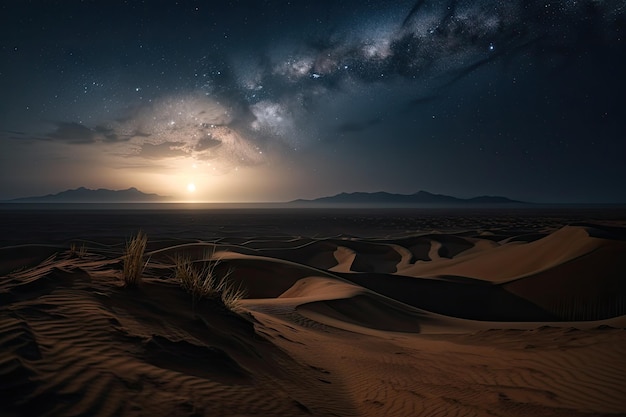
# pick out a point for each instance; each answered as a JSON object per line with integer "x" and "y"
{"x": 465, "y": 323}
{"x": 516, "y": 258}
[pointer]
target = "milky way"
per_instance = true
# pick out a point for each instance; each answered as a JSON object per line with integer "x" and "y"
{"x": 414, "y": 85}
{"x": 437, "y": 44}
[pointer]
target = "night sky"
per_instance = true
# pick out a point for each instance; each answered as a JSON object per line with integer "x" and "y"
{"x": 275, "y": 100}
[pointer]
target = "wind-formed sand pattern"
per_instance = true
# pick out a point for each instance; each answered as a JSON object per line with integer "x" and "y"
{"x": 513, "y": 320}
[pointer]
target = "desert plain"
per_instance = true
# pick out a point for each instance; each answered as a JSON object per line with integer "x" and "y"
{"x": 345, "y": 312}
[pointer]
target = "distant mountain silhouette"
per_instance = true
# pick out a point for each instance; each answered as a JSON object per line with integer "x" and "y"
{"x": 101, "y": 195}
{"x": 420, "y": 197}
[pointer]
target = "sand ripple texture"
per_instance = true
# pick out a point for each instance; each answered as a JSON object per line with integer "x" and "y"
{"x": 469, "y": 323}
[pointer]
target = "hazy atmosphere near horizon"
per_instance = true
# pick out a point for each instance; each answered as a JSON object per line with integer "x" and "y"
{"x": 255, "y": 101}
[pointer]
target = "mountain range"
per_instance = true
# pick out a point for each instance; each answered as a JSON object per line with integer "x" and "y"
{"x": 101, "y": 195}
{"x": 133, "y": 195}
{"x": 420, "y": 197}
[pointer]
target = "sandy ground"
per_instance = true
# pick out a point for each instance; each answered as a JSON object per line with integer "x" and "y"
{"x": 362, "y": 314}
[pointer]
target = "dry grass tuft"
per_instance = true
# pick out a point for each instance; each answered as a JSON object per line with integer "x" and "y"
{"x": 133, "y": 260}
{"x": 203, "y": 282}
{"x": 78, "y": 252}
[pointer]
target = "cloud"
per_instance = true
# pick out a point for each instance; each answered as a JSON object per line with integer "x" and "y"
{"x": 74, "y": 133}
{"x": 22, "y": 136}
{"x": 194, "y": 126}
{"x": 79, "y": 134}
{"x": 161, "y": 151}
{"x": 206, "y": 143}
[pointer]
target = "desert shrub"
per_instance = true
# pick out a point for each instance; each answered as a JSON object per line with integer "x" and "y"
{"x": 202, "y": 282}
{"x": 133, "y": 259}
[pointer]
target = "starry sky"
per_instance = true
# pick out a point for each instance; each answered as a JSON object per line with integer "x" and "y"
{"x": 273, "y": 100}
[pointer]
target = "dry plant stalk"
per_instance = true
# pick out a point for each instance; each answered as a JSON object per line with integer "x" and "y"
{"x": 133, "y": 259}
{"x": 203, "y": 283}
{"x": 76, "y": 251}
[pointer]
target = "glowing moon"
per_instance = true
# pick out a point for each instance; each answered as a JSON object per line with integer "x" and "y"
{"x": 191, "y": 187}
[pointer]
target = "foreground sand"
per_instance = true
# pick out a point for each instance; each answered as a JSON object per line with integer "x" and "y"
{"x": 473, "y": 323}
